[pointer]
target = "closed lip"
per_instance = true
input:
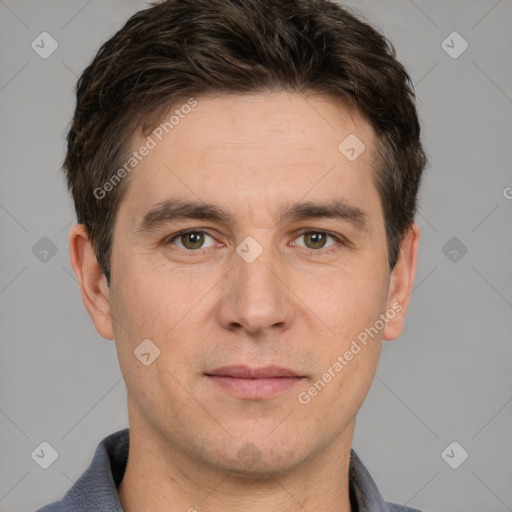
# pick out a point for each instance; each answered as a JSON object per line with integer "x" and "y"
{"x": 246, "y": 372}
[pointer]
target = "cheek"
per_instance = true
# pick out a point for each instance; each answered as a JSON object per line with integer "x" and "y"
{"x": 347, "y": 363}
{"x": 147, "y": 306}
{"x": 143, "y": 299}
{"x": 348, "y": 388}
{"x": 145, "y": 311}
{"x": 352, "y": 301}
{"x": 348, "y": 355}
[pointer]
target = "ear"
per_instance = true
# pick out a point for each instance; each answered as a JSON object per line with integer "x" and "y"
{"x": 400, "y": 286}
{"x": 93, "y": 284}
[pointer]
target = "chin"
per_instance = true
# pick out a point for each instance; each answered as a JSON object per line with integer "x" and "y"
{"x": 260, "y": 460}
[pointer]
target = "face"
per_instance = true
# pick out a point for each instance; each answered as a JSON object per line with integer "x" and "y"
{"x": 280, "y": 262}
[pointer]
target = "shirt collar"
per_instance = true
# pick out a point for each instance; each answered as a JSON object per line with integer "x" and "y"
{"x": 97, "y": 486}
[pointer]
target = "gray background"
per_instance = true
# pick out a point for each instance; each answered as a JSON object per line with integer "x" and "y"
{"x": 448, "y": 378}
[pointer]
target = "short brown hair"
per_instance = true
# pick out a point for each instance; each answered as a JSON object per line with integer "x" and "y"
{"x": 182, "y": 48}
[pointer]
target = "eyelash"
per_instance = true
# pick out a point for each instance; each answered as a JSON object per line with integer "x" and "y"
{"x": 341, "y": 241}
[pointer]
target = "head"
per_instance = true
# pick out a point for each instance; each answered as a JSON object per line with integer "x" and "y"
{"x": 284, "y": 137}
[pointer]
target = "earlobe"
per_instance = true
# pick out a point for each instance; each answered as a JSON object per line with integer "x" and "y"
{"x": 401, "y": 283}
{"x": 93, "y": 285}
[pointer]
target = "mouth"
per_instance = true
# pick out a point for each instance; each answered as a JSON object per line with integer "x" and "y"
{"x": 254, "y": 383}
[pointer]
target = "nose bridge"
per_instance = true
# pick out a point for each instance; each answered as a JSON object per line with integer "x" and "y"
{"x": 257, "y": 297}
{"x": 255, "y": 262}
{"x": 254, "y": 266}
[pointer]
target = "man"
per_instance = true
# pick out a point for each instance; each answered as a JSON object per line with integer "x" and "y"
{"x": 245, "y": 175}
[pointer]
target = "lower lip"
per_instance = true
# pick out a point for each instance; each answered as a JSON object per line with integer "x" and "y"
{"x": 255, "y": 388}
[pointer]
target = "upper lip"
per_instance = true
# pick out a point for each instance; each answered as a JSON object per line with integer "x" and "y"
{"x": 245, "y": 372}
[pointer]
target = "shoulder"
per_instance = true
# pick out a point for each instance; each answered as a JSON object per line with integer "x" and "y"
{"x": 52, "y": 507}
{"x": 365, "y": 491}
{"x": 394, "y": 507}
{"x": 96, "y": 489}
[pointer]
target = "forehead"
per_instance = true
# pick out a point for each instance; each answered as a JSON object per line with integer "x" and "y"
{"x": 263, "y": 146}
{"x": 272, "y": 119}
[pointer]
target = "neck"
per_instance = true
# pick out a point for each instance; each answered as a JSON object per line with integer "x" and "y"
{"x": 162, "y": 477}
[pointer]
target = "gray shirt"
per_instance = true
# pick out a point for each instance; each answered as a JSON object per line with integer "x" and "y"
{"x": 96, "y": 489}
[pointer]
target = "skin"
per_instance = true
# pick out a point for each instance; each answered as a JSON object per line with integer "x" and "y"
{"x": 297, "y": 305}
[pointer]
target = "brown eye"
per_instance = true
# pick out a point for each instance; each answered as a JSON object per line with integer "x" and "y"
{"x": 316, "y": 240}
{"x": 190, "y": 240}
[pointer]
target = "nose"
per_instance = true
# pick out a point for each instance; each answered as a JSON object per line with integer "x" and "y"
{"x": 256, "y": 297}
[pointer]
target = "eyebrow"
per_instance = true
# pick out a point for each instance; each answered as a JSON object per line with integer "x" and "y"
{"x": 175, "y": 209}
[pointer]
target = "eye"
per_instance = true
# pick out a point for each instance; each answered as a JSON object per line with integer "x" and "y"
{"x": 194, "y": 240}
{"x": 316, "y": 240}
{"x": 190, "y": 240}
